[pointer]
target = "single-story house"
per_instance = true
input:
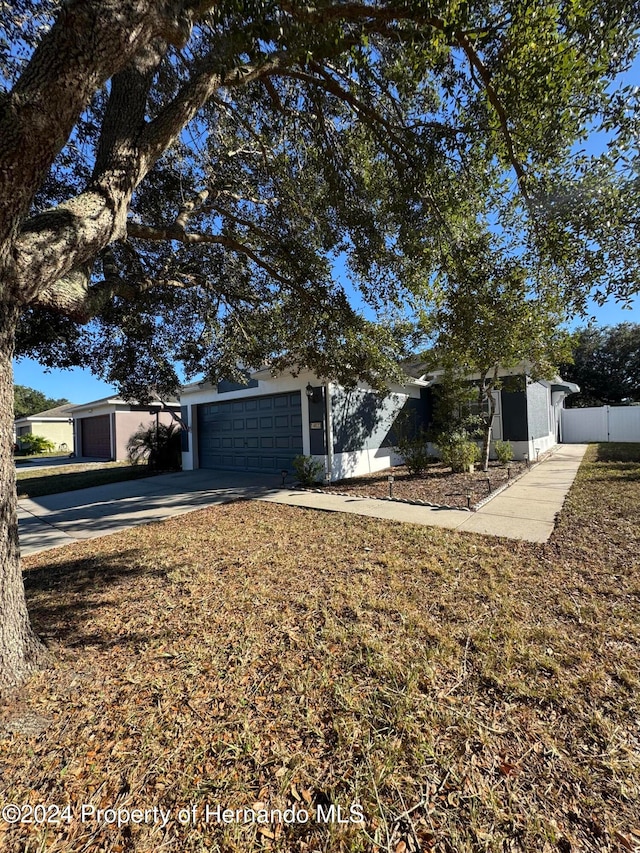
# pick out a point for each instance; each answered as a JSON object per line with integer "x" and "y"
{"x": 54, "y": 424}
{"x": 263, "y": 424}
{"x": 102, "y": 428}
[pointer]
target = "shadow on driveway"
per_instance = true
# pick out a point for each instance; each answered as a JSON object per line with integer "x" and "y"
{"x": 61, "y": 519}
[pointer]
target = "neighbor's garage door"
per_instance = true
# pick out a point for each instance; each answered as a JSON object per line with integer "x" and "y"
{"x": 258, "y": 434}
{"x": 96, "y": 436}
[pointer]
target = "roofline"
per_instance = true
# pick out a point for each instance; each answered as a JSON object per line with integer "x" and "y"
{"x": 116, "y": 401}
{"x": 36, "y": 418}
{"x": 206, "y": 384}
{"x": 559, "y": 384}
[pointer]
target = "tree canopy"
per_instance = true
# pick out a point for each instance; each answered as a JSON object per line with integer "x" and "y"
{"x": 606, "y": 365}
{"x": 29, "y": 401}
{"x": 190, "y": 189}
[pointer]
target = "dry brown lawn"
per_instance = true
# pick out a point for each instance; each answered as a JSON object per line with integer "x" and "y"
{"x": 462, "y": 693}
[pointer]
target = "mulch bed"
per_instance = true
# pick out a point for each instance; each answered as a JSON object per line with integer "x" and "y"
{"x": 437, "y": 486}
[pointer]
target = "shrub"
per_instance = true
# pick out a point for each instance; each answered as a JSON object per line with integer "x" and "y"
{"x": 35, "y": 444}
{"x": 504, "y": 451}
{"x": 158, "y": 446}
{"x": 458, "y": 451}
{"x": 414, "y": 453}
{"x": 308, "y": 470}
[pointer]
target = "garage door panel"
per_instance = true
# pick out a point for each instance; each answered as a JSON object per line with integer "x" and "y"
{"x": 96, "y": 436}
{"x": 260, "y": 442}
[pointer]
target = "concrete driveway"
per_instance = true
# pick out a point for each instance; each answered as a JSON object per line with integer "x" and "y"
{"x": 53, "y": 520}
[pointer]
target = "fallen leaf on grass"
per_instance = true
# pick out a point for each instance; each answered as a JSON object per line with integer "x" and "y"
{"x": 625, "y": 841}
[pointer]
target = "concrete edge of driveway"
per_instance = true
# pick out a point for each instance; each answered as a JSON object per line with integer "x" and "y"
{"x": 527, "y": 510}
{"x": 62, "y": 519}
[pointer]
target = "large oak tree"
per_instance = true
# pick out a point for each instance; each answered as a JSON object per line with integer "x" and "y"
{"x": 179, "y": 179}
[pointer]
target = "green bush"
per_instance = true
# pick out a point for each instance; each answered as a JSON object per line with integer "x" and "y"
{"x": 414, "y": 453}
{"x": 458, "y": 451}
{"x": 503, "y": 451}
{"x": 159, "y": 447}
{"x": 308, "y": 470}
{"x": 35, "y": 444}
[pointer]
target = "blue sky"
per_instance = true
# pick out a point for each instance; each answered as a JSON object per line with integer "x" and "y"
{"x": 78, "y": 386}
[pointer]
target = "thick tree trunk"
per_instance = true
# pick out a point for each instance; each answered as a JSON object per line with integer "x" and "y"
{"x": 20, "y": 650}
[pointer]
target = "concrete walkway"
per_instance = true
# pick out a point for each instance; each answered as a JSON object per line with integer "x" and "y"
{"x": 526, "y": 510}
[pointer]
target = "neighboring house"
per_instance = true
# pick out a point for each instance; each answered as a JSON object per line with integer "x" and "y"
{"x": 262, "y": 425}
{"x": 54, "y": 424}
{"x": 103, "y": 428}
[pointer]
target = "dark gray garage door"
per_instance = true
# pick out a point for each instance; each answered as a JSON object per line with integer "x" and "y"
{"x": 258, "y": 434}
{"x": 96, "y": 436}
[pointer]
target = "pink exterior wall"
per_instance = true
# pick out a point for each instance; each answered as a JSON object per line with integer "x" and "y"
{"x": 126, "y": 423}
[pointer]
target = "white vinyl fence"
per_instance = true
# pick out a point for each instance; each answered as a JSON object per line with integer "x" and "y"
{"x": 605, "y": 423}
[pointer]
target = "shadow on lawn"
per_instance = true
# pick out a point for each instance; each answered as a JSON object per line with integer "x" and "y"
{"x": 40, "y": 485}
{"x": 618, "y": 452}
{"x": 64, "y": 596}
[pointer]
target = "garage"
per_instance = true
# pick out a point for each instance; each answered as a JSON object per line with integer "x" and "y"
{"x": 96, "y": 436}
{"x": 261, "y": 434}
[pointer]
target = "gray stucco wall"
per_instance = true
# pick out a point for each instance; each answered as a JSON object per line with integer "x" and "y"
{"x": 363, "y": 419}
{"x": 225, "y": 387}
{"x": 538, "y": 410}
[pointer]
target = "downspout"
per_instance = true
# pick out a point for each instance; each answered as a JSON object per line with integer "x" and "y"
{"x": 328, "y": 428}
